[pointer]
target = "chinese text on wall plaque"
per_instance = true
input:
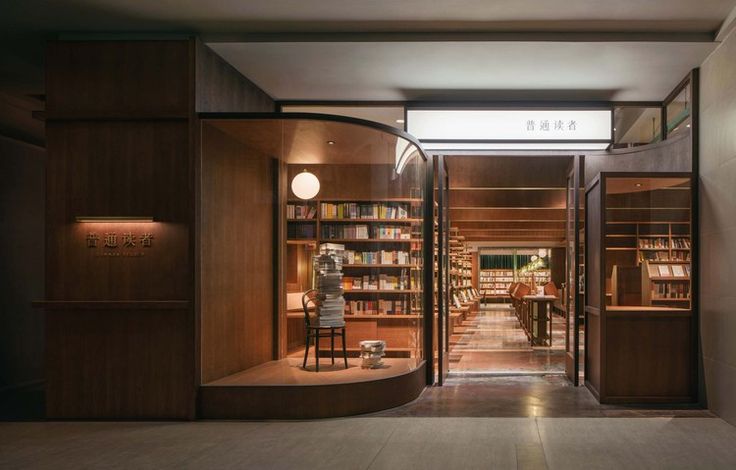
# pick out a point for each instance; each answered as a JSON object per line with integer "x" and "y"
{"x": 127, "y": 244}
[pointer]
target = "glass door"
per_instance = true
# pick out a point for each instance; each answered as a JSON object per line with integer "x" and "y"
{"x": 573, "y": 282}
{"x": 442, "y": 268}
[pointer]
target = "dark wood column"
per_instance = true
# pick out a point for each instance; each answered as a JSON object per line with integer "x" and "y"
{"x": 122, "y": 334}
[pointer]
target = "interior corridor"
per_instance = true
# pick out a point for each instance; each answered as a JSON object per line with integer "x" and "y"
{"x": 492, "y": 341}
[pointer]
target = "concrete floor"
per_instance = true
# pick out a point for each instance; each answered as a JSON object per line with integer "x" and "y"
{"x": 376, "y": 443}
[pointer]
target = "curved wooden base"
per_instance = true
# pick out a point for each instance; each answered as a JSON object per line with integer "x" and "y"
{"x": 309, "y": 401}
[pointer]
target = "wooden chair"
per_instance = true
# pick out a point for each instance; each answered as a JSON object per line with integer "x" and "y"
{"x": 317, "y": 332}
{"x": 551, "y": 289}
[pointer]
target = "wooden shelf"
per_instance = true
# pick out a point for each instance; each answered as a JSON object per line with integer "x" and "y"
{"x": 383, "y": 316}
{"x": 381, "y": 291}
{"x": 305, "y": 241}
{"x": 410, "y": 266}
{"x": 301, "y": 220}
{"x": 368, "y": 240}
{"x": 387, "y": 221}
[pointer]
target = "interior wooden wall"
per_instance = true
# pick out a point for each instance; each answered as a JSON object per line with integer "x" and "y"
{"x": 508, "y": 199}
{"x": 236, "y": 253}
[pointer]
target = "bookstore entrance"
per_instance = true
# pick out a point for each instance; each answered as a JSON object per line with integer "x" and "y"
{"x": 512, "y": 233}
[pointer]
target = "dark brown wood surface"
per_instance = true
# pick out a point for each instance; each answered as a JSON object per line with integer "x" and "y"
{"x": 118, "y": 79}
{"x": 310, "y": 402}
{"x": 111, "y": 364}
{"x": 649, "y": 357}
{"x": 236, "y": 250}
{"x": 122, "y": 338}
{"x": 221, "y": 88}
{"x": 508, "y": 199}
{"x": 634, "y": 354}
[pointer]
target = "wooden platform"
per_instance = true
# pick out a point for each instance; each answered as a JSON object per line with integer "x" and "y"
{"x": 283, "y": 390}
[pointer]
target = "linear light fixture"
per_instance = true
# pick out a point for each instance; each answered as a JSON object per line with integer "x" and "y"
{"x": 113, "y": 219}
{"x": 511, "y": 129}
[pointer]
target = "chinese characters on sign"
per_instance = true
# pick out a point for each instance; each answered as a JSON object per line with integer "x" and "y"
{"x": 124, "y": 245}
{"x": 545, "y": 125}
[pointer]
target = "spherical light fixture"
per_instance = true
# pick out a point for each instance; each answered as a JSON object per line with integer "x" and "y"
{"x": 305, "y": 185}
{"x": 542, "y": 252}
{"x": 535, "y": 257}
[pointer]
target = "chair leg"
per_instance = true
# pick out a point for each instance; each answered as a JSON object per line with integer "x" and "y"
{"x": 306, "y": 352}
{"x": 316, "y": 348}
{"x": 332, "y": 345}
{"x": 344, "y": 351}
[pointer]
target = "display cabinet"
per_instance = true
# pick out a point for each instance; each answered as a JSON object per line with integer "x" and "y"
{"x": 641, "y": 325}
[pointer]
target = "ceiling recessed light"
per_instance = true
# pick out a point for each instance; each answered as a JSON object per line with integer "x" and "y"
{"x": 638, "y": 185}
{"x": 399, "y": 121}
{"x": 614, "y": 129}
{"x": 330, "y": 142}
{"x": 688, "y": 126}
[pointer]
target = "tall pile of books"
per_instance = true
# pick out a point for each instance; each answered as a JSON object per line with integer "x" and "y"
{"x": 371, "y": 352}
{"x": 328, "y": 271}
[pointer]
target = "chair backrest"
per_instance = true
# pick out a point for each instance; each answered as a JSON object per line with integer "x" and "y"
{"x": 512, "y": 288}
{"x": 551, "y": 289}
{"x": 309, "y": 296}
{"x": 521, "y": 290}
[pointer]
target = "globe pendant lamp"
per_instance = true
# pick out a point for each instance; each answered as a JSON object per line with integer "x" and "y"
{"x": 305, "y": 185}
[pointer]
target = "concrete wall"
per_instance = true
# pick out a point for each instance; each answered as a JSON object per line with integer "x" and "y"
{"x": 718, "y": 227}
{"x": 22, "y": 209}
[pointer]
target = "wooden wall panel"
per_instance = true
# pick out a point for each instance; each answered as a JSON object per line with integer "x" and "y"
{"x": 221, "y": 88}
{"x": 118, "y": 78}
{"x": 108, "y": 364}
{"x": 505, "y": 172}
{"x": 649, "y": 357}
{"x": 118, "y": 169}
{"x": 236, "y": 251}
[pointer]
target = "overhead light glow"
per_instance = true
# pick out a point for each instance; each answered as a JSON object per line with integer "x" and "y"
{"x": 86, "y": 219}
{"x": 449, "y": 146}
{"x": 545, "y": 125}
{"x": 305, "y": 185}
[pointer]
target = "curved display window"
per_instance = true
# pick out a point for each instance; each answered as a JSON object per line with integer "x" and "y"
{"x": 312, "y": 232}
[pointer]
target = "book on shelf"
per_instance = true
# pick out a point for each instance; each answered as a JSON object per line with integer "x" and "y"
{"x": 301, "y": 211}
{"x": 681, "y": 243}
{"x": 670, "y": 290}
{"x": 678, "y": 270}
{"x": 377, "y": 257}
{"x": 654, "y": 243}
{"x": 381, "y": 281}
{"x": 664, "y": 270}
{"x": 364, "y": 232}
{"x": 377, "y": 307}
{"x": 301, "y": 231}
{"x": 357, "y": 211}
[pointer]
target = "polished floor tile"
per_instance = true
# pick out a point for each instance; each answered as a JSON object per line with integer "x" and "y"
{"x": 375, "y": 443}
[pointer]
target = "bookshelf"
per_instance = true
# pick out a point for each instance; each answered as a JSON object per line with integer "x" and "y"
{"x": 381, "y": 267}
{"x": 655, "y": 249}
{"x": 496, "y": 282}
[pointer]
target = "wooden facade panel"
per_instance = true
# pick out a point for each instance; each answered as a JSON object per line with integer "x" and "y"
{"x": 237, "y": 258}
{"x": 511, "y": 214}
{"x": 89, "y": 79}
{"x": 505, "y": 172}
{"x": 648, "y": 357}
{"x": 111, "y": 364}
{"x": 113, "y": 169}
{"x": 507, "y": 198}
{"x": 221, "y": 88}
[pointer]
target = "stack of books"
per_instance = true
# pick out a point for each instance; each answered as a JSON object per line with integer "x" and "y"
{"x": 328, "y": 270}
{"x": 371, "y": 352}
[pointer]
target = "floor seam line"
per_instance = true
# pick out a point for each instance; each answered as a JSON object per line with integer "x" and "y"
{"x": 541, "y": 444}
{"x": 388, "y": 438}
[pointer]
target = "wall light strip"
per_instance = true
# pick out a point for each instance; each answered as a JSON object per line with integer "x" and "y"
{"x": 109, "y": 219}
